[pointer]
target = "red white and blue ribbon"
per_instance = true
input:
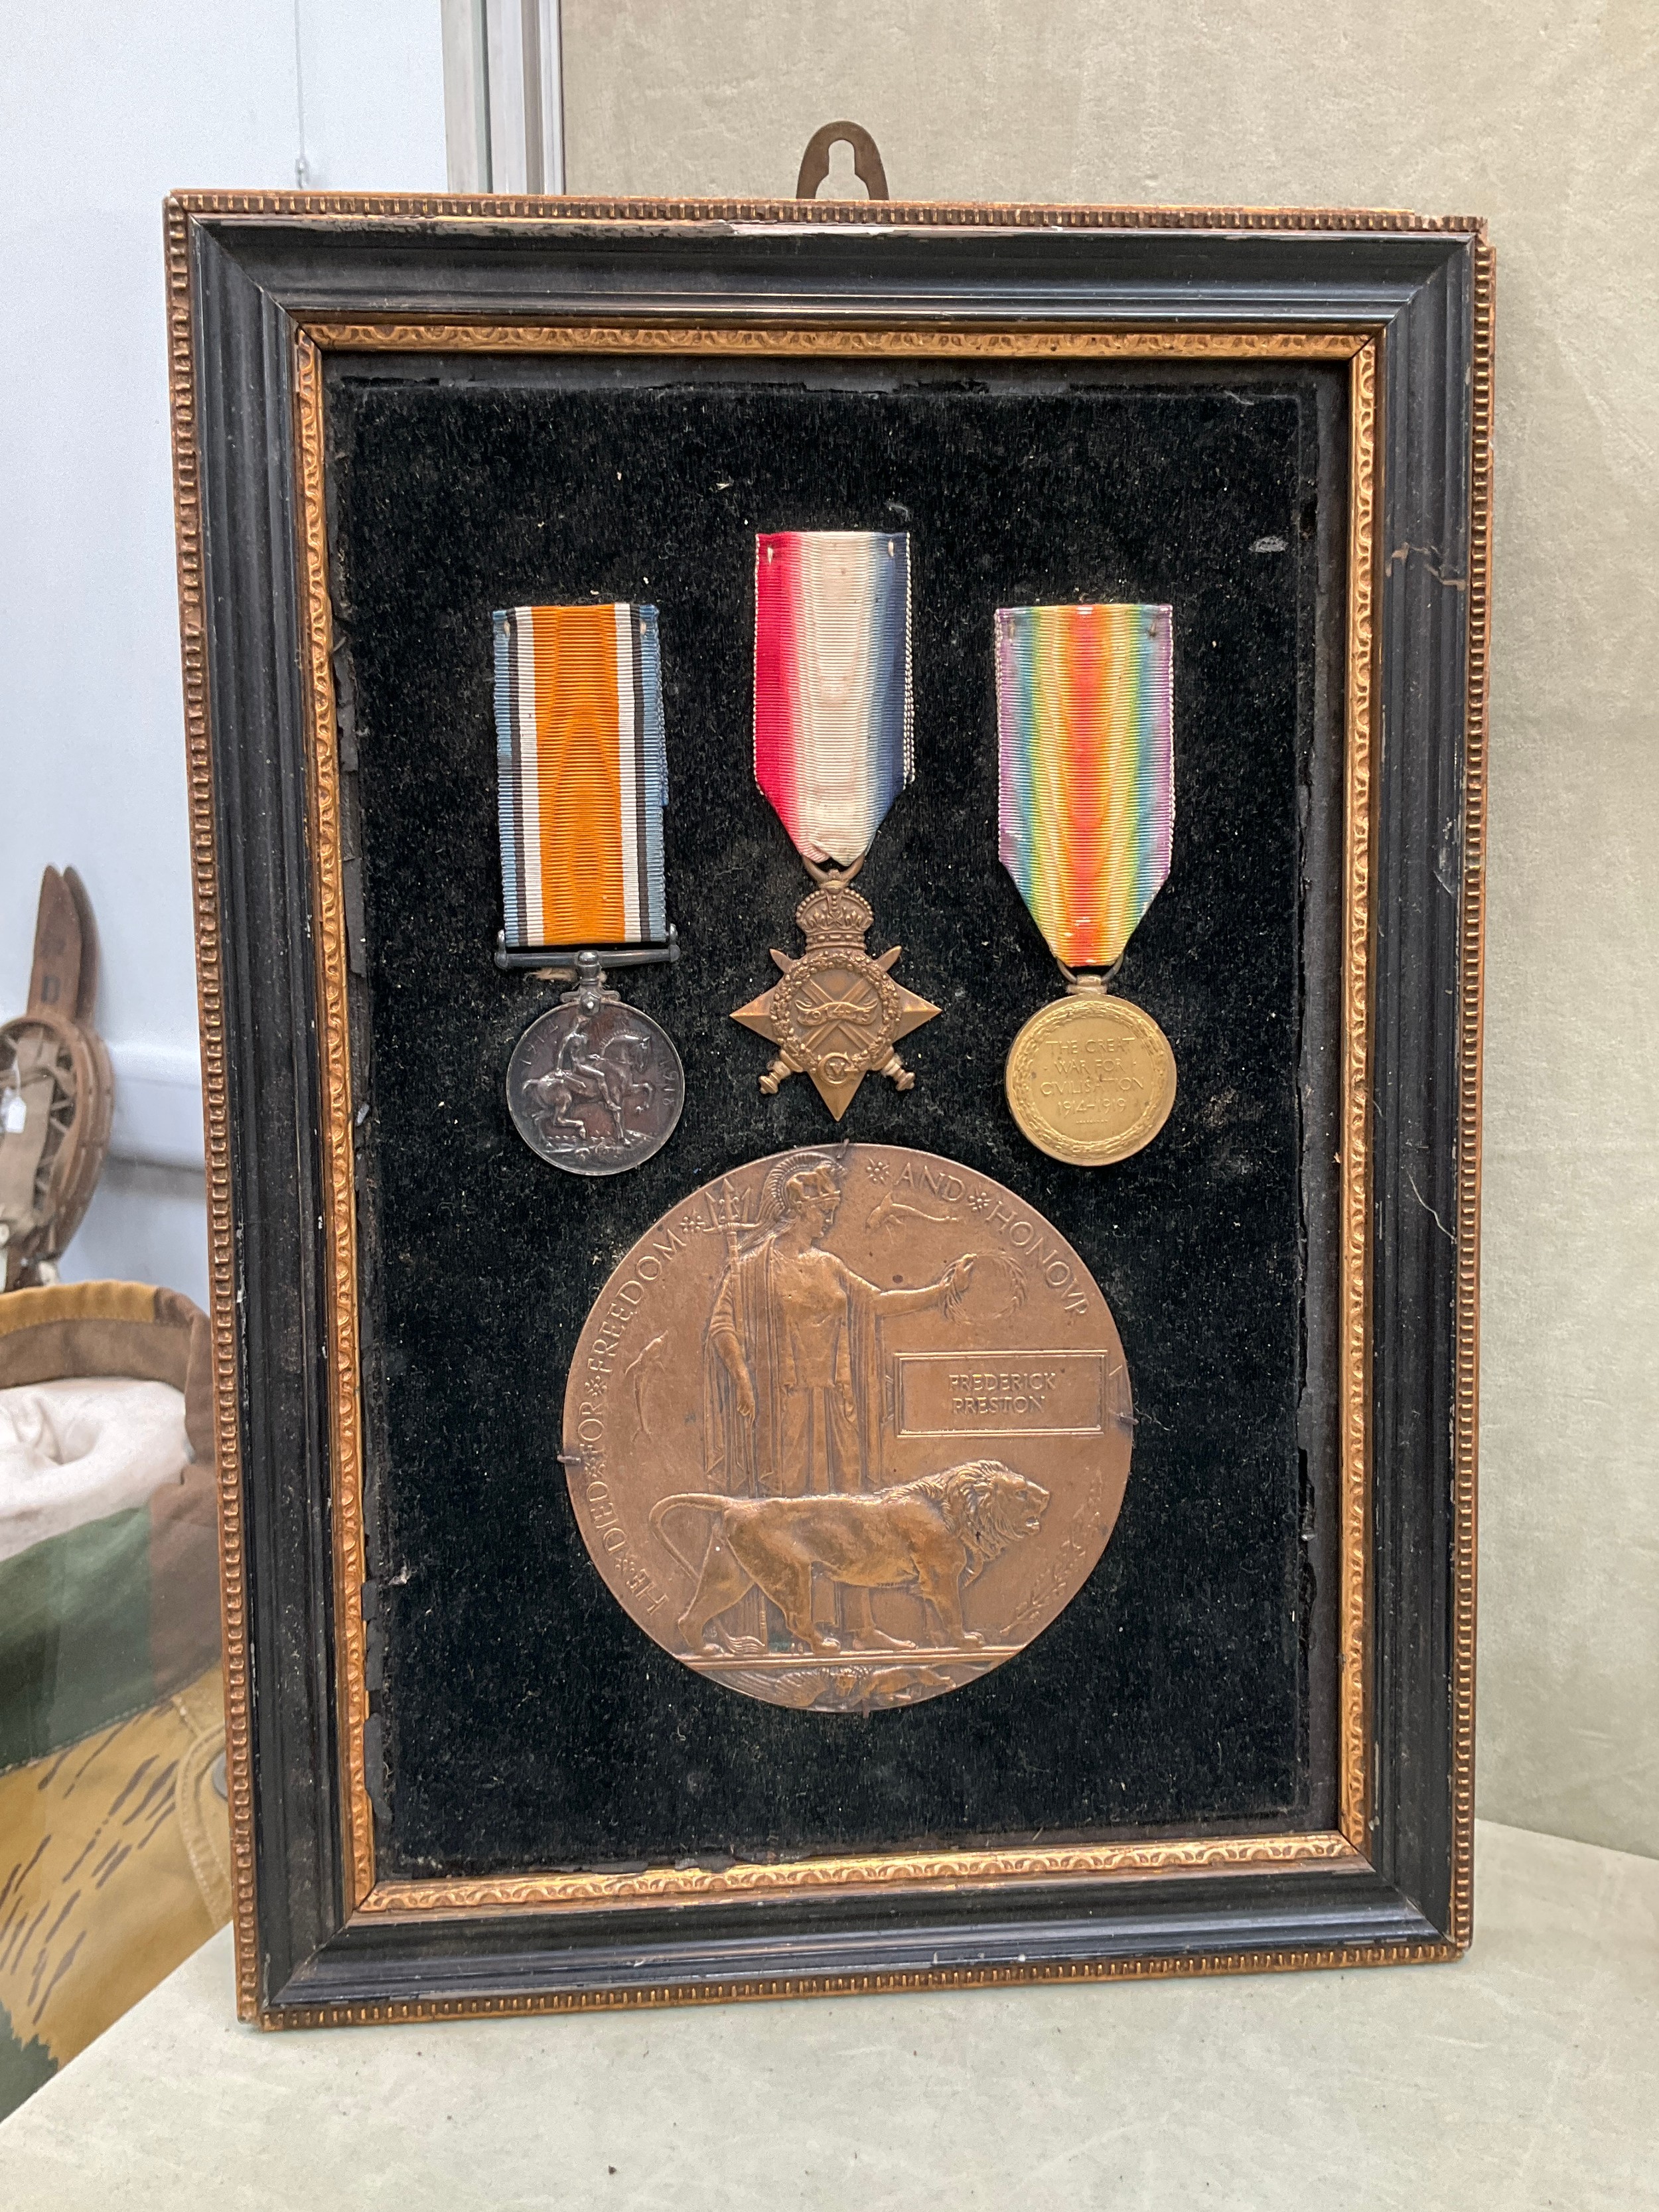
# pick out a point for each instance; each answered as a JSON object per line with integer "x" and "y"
{"x": 833, "y": 735}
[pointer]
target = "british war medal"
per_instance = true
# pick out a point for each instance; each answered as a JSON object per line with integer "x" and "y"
{"x": 593, "y": 1086}
{"x": 833, "y": 749}
{"x": 1086, "y": 811}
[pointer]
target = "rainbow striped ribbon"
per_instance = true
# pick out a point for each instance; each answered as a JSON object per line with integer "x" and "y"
{"x": 1086, "y": 805}
{"x": 833, "y": 743}
{"x": 582, "y": 761}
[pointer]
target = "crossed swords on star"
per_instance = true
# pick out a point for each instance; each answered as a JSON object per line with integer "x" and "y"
{"x": 847, "y": 1018}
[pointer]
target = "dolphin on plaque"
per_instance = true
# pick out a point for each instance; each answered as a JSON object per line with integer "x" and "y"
{"x": 847, "y": 1427}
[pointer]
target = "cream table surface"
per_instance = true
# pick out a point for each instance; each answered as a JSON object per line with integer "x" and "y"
{"x": 1528, "y": 2076}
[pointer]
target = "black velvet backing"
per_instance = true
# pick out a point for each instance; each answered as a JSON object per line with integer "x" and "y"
{"x": 522, "y": 1720}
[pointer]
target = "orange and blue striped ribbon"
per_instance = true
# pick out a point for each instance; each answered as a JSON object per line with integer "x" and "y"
{"x": 1087, "y": 806}
{"x": 582, "y": 768}
{"x": 833, "y": 744}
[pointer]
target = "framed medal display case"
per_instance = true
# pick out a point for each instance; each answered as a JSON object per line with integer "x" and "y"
{"x": 838, "y": 856}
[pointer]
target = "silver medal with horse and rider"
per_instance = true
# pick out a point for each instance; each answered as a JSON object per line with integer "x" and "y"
{"x": 594, "y": 1086}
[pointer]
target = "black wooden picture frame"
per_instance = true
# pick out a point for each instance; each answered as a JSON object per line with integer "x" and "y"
{"x": 266, "y": 290}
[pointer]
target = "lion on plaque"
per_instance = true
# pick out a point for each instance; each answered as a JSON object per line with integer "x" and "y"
{"x": 921, "y": 1536}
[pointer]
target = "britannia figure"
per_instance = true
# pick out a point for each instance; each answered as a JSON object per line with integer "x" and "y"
{"x": 793, "y": 1400}
{"x": 793, "y": 1403}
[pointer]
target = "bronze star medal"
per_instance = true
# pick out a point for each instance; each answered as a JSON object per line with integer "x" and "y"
{"x": 838, "y": 1013}
{"x": 833, "y": 751}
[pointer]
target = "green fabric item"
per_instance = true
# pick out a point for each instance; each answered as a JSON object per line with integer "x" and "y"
{"x": 23, "y": 2066}
{"x": 75, "y": 1644}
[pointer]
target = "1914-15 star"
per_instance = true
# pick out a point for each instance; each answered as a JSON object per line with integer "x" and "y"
{"x": 837, "y": 1013}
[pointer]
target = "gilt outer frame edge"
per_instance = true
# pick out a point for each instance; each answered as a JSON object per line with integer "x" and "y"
{"x": 222, "y": 308}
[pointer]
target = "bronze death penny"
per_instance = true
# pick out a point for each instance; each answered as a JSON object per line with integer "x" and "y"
{"x": 847, "y": 1428}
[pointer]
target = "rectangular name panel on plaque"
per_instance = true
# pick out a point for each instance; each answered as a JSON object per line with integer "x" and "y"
{"x": 1055, "y": 1392}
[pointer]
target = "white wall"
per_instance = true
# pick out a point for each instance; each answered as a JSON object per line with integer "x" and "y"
{"x": 102, "y": 110}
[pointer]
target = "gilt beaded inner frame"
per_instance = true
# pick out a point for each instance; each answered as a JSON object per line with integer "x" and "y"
{"x": 267, "y": 292}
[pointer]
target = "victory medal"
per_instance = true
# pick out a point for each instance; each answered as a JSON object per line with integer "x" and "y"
{"x": 593, "y": 1086}
{"x": 1086, "y": 812}
{"x": 833, "y": 749}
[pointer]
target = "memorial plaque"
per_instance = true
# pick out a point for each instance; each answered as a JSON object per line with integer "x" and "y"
{"x": 820, "y": 1442}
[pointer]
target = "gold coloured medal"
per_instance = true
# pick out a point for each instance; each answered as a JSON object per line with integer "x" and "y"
{"x": 1091, "y": 1078}
{"x": 1085, "y": 816}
